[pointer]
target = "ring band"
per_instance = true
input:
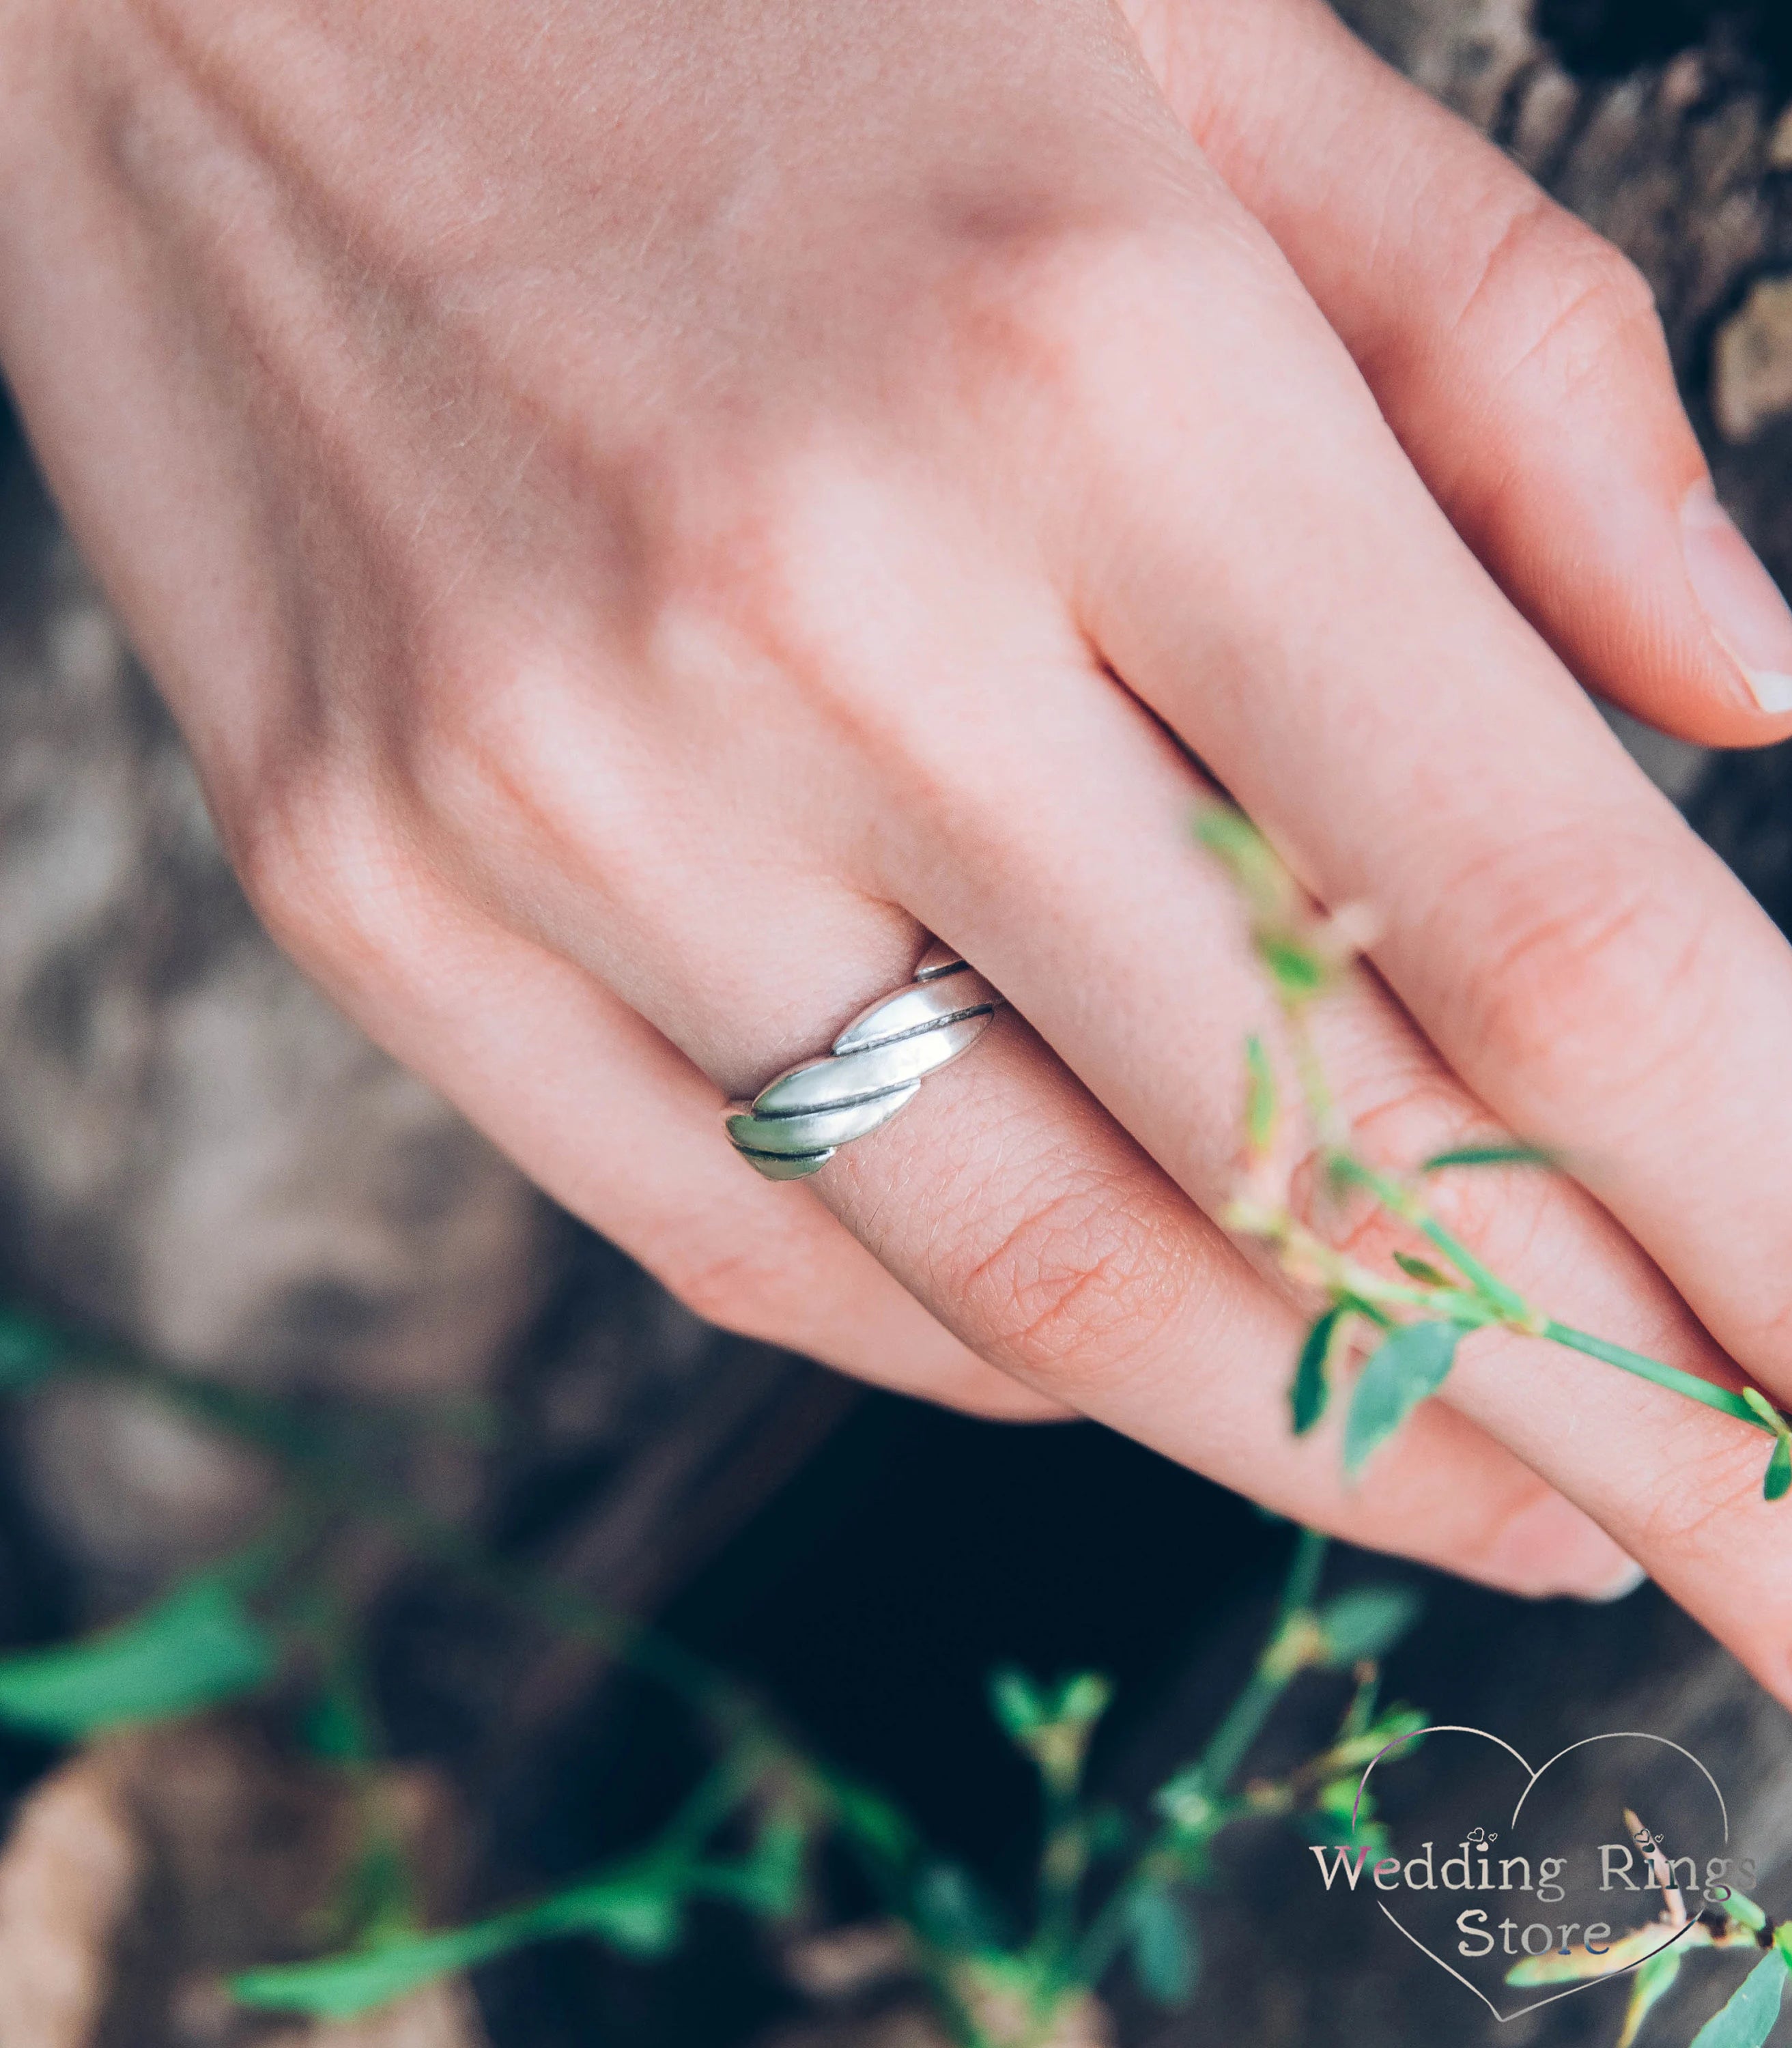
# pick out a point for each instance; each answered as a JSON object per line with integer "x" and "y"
{"x": 797, "y": 1122}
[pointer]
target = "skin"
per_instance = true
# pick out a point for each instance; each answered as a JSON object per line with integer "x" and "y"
{"x": 643, "y": 513}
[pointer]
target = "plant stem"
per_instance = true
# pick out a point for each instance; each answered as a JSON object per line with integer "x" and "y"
{"x": 1402, "y": 1202}
{"x": 1515, "y": 1314}
{"x": 1230, "y": 1742}
{"x": 1063, "y": 1862}
{"x": 1305, "y": 1570}
{"x": 1219, "y": 1762}
{"x": 1722, "y": 1399}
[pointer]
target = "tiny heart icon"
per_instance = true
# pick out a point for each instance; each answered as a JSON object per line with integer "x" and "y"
{"x": 1551, "y": 1861}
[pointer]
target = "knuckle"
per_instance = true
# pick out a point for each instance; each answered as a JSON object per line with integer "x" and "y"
{"x": 735, "y": 1288}
{"x": 466, "y": 709}
{"x": 1589, "y": 973}
{"x": 1055, "y": 313}
{"x": 1535, "y": 1545}
{"x": 321, "y": 872}
{"x": 1550, "y": 298}
{"x": 289, "y": 852}
{"x": 1507, "y": 1216}
{"x": 762, "y": 574}
{"x": 1079, "y": 1276}
{"x": 1702, "y": 1501}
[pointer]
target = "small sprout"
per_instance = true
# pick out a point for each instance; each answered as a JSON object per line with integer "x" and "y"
{"x": 1052, "y": 1723}
{"x": 1778, "y": 1481}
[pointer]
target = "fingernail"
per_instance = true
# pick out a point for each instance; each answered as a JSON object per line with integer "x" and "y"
{"x": 1741, "y": 600}
{"x": 1621, "y": 1588}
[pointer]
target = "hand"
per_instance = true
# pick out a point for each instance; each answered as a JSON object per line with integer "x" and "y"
{"x": 644, "y": 512}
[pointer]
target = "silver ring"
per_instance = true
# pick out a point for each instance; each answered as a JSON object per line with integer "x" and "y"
{"x": 799, "y": 1121}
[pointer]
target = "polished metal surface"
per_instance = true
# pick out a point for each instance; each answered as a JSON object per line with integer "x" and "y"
{"x": 797, "y": 1122}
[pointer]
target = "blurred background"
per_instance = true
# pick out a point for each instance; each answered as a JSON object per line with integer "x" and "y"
{"x": 203, "y": 1167}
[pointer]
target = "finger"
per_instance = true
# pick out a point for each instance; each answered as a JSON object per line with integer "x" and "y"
{"x": 1138, "y": 979}
{"x": 1006, "y": 1197}
{"x": 1516, "y": 354}
{"x": 1579, "y": 959}
{"x": 616, "y": 1125}
{"x": 1030, "y": 1226}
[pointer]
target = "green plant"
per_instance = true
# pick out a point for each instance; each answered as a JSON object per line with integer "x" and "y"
{"x": 1411, "y": 1323}
{"x": 1111, "y": 1891}
{"x": 1747, "y": 2018}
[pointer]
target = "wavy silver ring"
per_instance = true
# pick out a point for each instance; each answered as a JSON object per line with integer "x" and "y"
{"x": 799, "y": 1121}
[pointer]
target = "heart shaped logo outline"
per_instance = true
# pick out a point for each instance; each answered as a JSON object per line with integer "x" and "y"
{"x": 1612, "y": 1735}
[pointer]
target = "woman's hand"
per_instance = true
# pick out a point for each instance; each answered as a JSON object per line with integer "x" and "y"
{"x": 645, "y": 511}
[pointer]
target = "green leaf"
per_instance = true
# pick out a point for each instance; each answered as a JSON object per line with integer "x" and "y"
{"x": 1366, "y": 1622}
{"x": 1296, "y": 970}
{"x": 1487, "y": 1155}
{"x": 1311, "y": 1387}
{"x": 869, "y": 1819}
{"x": 1765, "y": 1411}
{"x": 31, "y": 1349}
{"x": 375, "y": 1897}
{"x": 1776, "y": 1481}
{"x": 1109, "y": 1829}
{"x": 1082, "y": 1698}
{"x": 1748, "y": 2019}
{"x": 1410, "y": 1367}
{"x": 1421, "y": 1269}
{"x": 1230, "y": 836}
{"x": 1259, "y": 1097}
{"x": 1652, "y": 1983}
{"x": 953, "y": 1912}
{"x": 336, "y": 1728}
{"x": 1334, "y": 1831}
{"x": 769, "y": 1882}
{"x": 1052, "y": 1723}
{"x": 1742, "y": 1908}
{"x": 1165, "y": 1953}
{"x": 1020, "y": 1705}
{"x": 195, "y": 1647}
{"x": 636, "y": 1910}
{"x": 340, "y": 1987}
{"x": 1579, "y": 1965}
